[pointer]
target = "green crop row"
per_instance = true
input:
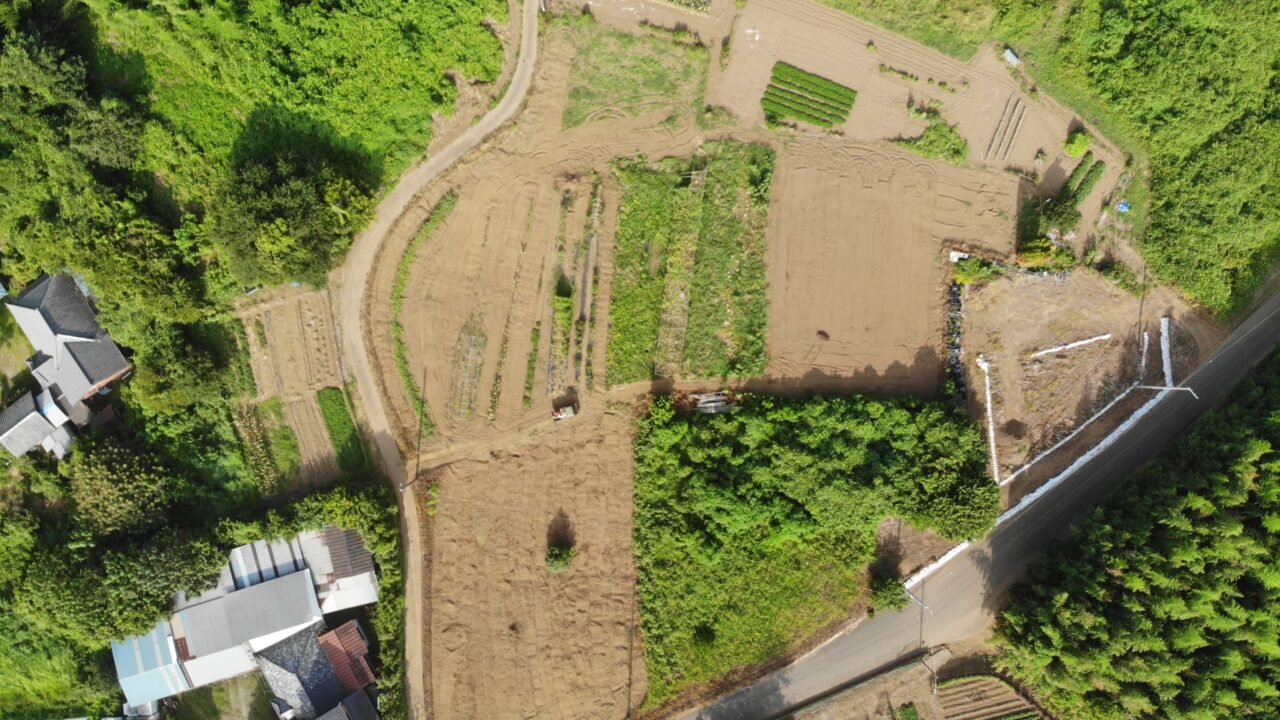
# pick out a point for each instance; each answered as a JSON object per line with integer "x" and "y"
{"x": 790, "y": 74}
{"x": 342, "y": 430}
{"x": 781, "y": 105}
{"x": 843, "y": 102}
{"x": 1090, "y": 179}
{"x": 531, "y": 368}
{"x": 1073, "y": 180}
{"x": 660, "y": 215}
{"x": 775, "y": 111}
{"x": 820, "y": 106}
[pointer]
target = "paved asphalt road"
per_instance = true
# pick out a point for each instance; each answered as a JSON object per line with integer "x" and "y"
{"x": 961, "y": 593}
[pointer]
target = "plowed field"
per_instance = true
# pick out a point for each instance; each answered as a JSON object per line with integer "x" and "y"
{"x": 299, "y": 356}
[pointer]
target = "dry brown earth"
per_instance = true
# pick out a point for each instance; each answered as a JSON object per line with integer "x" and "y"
{"x": 509, "y": 638}
{"x": 1039, "y": 400}
{"x": 857, "y": 260}
{"x": 299, "y": 358}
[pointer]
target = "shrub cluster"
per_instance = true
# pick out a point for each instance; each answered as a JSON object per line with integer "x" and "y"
{"x": 753, "y": 528}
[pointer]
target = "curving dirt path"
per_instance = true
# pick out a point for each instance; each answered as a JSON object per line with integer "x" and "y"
{"x": 348, "y": 284}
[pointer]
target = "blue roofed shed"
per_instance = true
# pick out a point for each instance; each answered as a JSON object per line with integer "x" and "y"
{"x": 148, "y": 666}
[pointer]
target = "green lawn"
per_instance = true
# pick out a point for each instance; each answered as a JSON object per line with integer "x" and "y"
{"x": 691, "y": 230}
{"x": 14, "y": 348}
{"x": 242, "y": 698}
{"x": 616, "y": 74}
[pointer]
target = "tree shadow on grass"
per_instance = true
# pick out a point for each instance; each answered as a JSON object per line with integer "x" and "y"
{"x": 275, "y": 136}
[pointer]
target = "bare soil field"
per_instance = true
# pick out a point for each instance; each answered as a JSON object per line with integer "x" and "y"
{"x": 1006, "y": 126}
{"x": 1039, "y": 400}
{"x": 857, "y": 260}
{"x": 299, "y": 357}
{"x": 983, "y": 698}
{"x": 505, "y": 307}
{"x": 509, "y": 638}
{"x": 316, "y": 450}
{"x": 528, "y": 209}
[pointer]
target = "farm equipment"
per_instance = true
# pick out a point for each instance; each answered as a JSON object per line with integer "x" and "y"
{"x": 565, "y": 406}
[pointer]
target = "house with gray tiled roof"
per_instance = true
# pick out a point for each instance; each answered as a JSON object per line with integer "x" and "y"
{"x": 356, "y": 706}
{"x": 300, "y": 676}
{"x": 35, "y": 421}
{"x": 265, "y": 613}
{"x": 74, "y": 359}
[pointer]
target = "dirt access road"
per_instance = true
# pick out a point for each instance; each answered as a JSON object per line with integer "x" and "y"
{"x": 349, "y": 282}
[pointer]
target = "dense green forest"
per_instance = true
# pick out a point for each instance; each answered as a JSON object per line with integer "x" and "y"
{"x": 753, "y": 528}
{"x": 1163, "y": 603}
{"x": 1190, "y": 87}
{"x": 175, "y": 153}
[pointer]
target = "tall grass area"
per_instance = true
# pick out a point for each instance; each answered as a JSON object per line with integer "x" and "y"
{"x": 342, "y": 430}
{"x": 939, "y": 140}
{"x": 616, "y": 74}
{"x": 284, "y": 444}
{"x": 753, "y": 528}
{"x": 714, "y": 204}
{"x": 372, "y": 71}
{"x": 956, "y": 27}
{"x": 45, "y": 677}
{"x": 1189, "y": 89}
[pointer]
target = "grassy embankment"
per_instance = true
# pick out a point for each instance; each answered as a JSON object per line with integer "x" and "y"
{"x": 619, "y": 75}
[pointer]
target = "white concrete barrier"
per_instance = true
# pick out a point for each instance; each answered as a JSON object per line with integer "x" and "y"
{"x": 1071, "y": 345}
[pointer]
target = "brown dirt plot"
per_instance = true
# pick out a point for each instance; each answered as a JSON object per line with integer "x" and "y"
{"x": 1039, "y": 400}
{"x": 510, "y": 638}
{"x": 857, "y": 264}
{"x": 300, "y": 357}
